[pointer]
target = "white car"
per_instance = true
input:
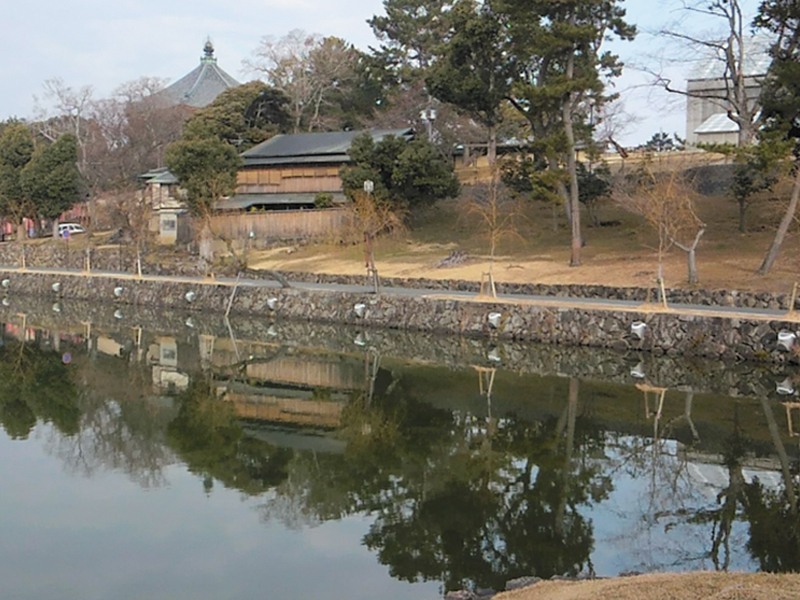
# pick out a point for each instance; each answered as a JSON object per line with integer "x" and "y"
{"x": 72, "y": 228}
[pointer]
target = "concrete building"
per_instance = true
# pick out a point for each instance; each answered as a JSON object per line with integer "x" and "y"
{"x": 707, "y": 119}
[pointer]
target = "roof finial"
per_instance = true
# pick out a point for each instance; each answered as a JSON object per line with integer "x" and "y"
{"x": 208, "y": 51}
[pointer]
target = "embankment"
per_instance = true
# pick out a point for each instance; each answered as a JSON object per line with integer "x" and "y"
{"x": 728, "y": 337}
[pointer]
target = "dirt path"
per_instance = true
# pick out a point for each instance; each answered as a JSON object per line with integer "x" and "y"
{"x": 668, "y": 586}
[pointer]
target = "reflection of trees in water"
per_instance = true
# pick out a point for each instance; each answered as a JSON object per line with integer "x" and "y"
{"x": 121, "y": 436}
{"x": 34, "y": 385}
{"x": 674, "y": 501}
{"x": 456, "y": 498}
{"x": 207, "y": 436}
{"x": 91, "y": 431}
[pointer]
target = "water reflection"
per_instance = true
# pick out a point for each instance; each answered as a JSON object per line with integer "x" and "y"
{"x": 469, "y": 475}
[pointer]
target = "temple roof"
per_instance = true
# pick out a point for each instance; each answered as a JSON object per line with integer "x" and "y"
{"x": 331, "y": 147}
{"x": 200, "y": 87}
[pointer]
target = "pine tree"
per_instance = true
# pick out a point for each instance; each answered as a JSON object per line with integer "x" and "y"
{"x": 475, "y": 68}
{"x": 780, "y": 100}
{"x": 562, "y": 74}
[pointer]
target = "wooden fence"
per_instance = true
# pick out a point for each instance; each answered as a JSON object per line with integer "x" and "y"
{"x": 280, "y": 225}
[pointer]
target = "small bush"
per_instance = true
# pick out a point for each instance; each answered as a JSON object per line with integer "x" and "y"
{"x": 323, "y": 200}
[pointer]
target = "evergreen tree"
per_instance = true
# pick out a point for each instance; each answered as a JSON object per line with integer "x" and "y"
{"x": 16, "y": 150}
{"x": 475, "y": 69}
{"x": 244, "y": 116}
{"x": 405, "y": 174}
{"x": 51, "y": 179}
{"x": 410, "y": 34}
{"x": 562, "y": 74}
{"x": 206, "y": 169}
{"x": 780, "y": 99}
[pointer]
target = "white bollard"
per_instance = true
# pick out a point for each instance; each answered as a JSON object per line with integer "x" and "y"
{"x": 786, "y": 341}
{"x": 786, "y": 387}
{"x": 637, "y": 372}
{"x": 638, "y": 329}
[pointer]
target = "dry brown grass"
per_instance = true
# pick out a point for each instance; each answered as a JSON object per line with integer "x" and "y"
{"x": 618, "y": 255}
{"x": 668, "y": 586}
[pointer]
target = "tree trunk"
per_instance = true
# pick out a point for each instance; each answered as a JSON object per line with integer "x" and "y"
{"x": 572, "y": 167}
{"x": 691, "y": 252}
{"x": 742, "y": 215}
{"x": 21, "y": 231}
{"x": 561, "y": 190}
{"x": 491, "y": 151}
{"x": 55, "y": 229}
{"x": 206, "y": 245}
{"x": 774, "y": 249}
{"x": 693, "y": 278}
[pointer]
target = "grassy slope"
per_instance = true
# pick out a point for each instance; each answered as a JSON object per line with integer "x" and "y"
{"x": 668, "y": 586}
{"x": 615, "y": 255}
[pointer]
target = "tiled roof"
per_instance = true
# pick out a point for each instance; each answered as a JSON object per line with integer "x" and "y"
{"x": 718, "y": 123}
{"x": 313, "y": 147}
{"x": 200, "y": 87}
{"x": 757, "y": 59}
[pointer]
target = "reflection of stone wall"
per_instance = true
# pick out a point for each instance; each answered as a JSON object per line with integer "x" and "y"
{"x": 670, "y": 334}
{"x": 263, "y": 337}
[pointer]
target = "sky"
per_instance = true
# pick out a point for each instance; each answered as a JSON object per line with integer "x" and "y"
{"x": 105, "y": 44}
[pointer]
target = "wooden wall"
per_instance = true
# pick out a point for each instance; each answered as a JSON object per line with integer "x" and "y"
{"x": 314, "y": 413}
{"x": 275, "y": 180}
{"x": 280, "y": 225}
{"x": 310, "y": 371}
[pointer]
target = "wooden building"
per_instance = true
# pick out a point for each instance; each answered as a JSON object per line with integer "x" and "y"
{"x": 288, "y": 171}
{"x": 285, "y": 173}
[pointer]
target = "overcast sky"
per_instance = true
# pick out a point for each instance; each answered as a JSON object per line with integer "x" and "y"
{"x": 104, "y": 44}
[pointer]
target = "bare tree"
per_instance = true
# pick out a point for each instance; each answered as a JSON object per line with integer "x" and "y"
{"x": 63, "y": 109}
{"x": 666, "y": 201}
{"x": 307, "y": 68}
{"x": 369, "y": 219}
{"x": 728, "y": 56}
{"x": 498, "y": 213}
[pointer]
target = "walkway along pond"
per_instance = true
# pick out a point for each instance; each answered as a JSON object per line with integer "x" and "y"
{"x": 729, "y": 333}
{"x": 227, "y": 456}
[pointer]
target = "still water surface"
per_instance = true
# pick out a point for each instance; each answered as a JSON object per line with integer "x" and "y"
{"x": 182, "y": 459}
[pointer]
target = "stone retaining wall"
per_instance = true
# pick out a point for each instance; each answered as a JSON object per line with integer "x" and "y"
{"x": 111, "y": 258}
{"x": 670, "y": 334}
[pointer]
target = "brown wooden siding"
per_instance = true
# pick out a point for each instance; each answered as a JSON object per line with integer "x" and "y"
{"x": 281, "y": 225}
{"x": 310, "y": 372}
{"x": 312, "y": 413}
{"x": 295, "y": 179}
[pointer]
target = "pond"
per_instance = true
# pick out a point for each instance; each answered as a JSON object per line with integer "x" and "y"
{"x": 176, "y": 456}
